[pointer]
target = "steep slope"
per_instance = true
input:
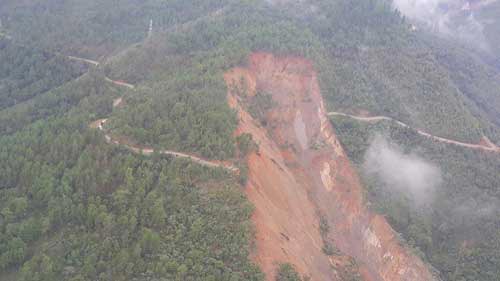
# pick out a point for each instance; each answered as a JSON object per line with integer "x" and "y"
{"x": 457, "y": 230}
{"x": 287, "y": 227}
{"x": 477, "y": 81}
{"x": 75, "y": 208}
{"x": 301, "y": 175}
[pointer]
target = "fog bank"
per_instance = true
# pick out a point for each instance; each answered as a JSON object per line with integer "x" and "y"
{"x": 453, "y": 18}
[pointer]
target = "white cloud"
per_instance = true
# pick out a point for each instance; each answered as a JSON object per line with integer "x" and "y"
{"x": 404, "y": 173}
{"x": 453, "y": 18}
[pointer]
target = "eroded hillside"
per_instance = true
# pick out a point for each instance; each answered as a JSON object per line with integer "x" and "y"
{"x": 300, "y": 177}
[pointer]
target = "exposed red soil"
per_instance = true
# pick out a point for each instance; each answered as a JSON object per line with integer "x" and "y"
{"x": 301, "y": 171}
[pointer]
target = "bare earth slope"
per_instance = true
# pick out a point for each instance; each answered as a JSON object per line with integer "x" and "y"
{"x": 301, "y": 171}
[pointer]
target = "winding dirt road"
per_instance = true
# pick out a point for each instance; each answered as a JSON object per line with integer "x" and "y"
{"x": 487, "y": 146}
{"x": 99, "y": 124}
{"x": 96, "y": 63}
{"x": 93, "y": 62}
{"x": 120, "y": 83}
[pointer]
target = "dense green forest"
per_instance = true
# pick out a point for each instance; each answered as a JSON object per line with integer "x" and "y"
{"x": 75, "y": 208}
{"x": 92, "y": 212}
{"x": 26, "y": 73}
{"x": 186, "y": 111}
{"x": 95, "y": 28}
{"x": 59, "y": 101}
{"x": 457, "y": 231}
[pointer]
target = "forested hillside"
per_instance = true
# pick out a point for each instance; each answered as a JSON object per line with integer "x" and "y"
{"x": 477, "y": 81}
{"x": 94, "y": 28}
{"x": 26, "y": 73}
{"x": 76, "y": 207}
{"x": 456, "y": 230}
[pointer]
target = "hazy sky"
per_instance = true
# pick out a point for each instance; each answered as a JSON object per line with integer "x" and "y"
{"x": 448, "y": 17}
